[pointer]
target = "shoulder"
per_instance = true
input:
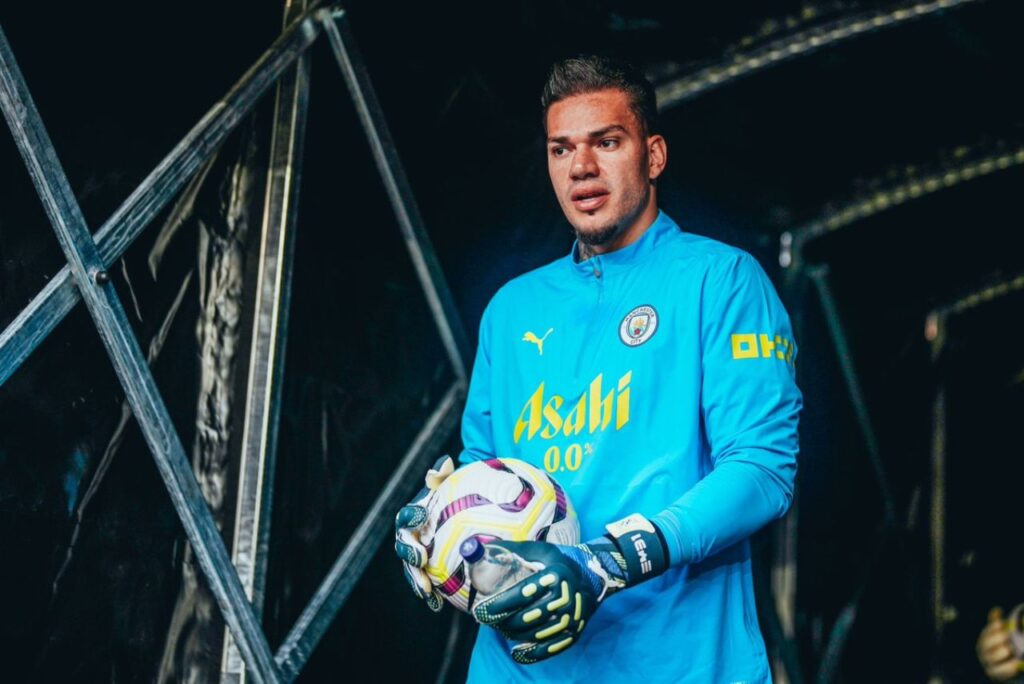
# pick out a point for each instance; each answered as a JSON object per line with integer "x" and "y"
{"x": 530, "y": 286}
{"x": 706, "y": 256}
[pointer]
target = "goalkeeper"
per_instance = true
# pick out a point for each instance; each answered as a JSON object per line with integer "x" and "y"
{"x": 651, "y": 372}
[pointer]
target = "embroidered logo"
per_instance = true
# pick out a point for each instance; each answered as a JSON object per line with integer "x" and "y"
{"x": 638, "y": 326}
{"x": 539, "y": 341}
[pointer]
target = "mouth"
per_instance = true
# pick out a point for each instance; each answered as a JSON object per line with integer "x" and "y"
{"x": 588, "y": 200}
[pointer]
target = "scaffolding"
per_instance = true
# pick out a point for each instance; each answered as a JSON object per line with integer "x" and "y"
{"x": 238, "y": 588}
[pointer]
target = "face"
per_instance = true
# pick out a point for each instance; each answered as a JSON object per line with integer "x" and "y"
{"x": 602, "y": 166}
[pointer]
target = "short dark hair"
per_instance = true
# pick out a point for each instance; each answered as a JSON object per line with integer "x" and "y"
{"x": 590, "y": 73}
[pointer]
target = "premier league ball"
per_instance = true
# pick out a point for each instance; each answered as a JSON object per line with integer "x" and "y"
{"x": 501, "y": 498}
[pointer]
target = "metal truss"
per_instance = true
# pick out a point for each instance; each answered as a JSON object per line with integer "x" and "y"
{"x": 85, "y": 277}
{"x": 966, "y": 164}
{"x": 935, "y": 332}
{"x": 740, "y": 63}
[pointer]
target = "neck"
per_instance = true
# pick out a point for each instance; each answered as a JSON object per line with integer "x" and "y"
{"x": 625, "y": 237}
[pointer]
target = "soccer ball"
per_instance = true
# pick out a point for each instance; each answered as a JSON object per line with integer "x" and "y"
{"x": 500, "y": 498}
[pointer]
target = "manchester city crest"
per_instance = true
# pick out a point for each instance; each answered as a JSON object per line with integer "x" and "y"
{"x": 638, "y": 326}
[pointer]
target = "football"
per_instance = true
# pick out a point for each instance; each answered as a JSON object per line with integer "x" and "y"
{"x": 500, "y": 498}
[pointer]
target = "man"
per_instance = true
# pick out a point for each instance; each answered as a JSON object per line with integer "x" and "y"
{"x": 651, "y": 372}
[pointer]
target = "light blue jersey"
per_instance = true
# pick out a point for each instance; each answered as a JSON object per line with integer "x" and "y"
{"x": 657, "y": 379}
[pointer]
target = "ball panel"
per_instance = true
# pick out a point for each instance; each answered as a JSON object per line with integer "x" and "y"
{"x": 495, "y": 499}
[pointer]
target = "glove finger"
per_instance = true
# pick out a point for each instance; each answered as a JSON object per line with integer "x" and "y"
{"x": 411, "y": 554}
{"x": 444, "y": 467}
{"x": 545, "y": 628}
{"x": 434, "y": 601}
{"x": 527, "y": 653}
{"x": 414, "y": 583}
{"x": 526, "y": 595}
{"x": 411, "y": 517}
{"x": 409, "y": 548}
{"x": 556, "y": 619}
{"x": 421, "y": 578}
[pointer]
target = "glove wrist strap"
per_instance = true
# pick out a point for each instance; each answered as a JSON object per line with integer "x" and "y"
{"x": 641, "y": 546}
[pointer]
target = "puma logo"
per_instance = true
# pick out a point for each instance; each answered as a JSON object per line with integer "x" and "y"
{"x": 539, "y": 341}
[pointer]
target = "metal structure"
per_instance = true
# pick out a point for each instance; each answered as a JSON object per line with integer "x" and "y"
{"x": 251, "y": 538}
{"x": 968, "y": 164}
{"x": 740, "y": 63}
{"x": 85, "y": 277}
{"x": 935, "y": 332}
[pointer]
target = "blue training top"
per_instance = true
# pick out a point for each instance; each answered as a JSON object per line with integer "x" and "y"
{"x": 656, "y": 379}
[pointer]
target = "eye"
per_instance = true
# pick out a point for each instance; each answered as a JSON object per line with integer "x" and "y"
{"x": 609, "y": 143}
{"x": 558, "y": 151}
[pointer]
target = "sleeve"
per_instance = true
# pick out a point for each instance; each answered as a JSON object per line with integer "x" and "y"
{"x": 477, "y": 434}
{"x": 750, "y": 406}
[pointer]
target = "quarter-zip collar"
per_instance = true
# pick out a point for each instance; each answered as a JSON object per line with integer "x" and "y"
{"x": 611, "y": 263}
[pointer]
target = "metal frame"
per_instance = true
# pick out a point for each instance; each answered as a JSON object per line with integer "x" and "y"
{"x": 258, "y": 452}
{"x": 86, "y": 277}
{"x": 968, "y": 165}
{"x": 740, "y": 63}
{"x": 935, "y": 332}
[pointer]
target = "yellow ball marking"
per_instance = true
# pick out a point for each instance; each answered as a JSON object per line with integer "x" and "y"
{"x": 548, "y": 579}
{"x": 560, "y": 646}
{"x": 529, "y": 590}
{"x": 562, "y": 600}
{"x": 553, "y": 629}
{"x": 532, "y": 615}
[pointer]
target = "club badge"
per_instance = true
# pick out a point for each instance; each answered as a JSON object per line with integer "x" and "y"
{"x": 638, "y": 326}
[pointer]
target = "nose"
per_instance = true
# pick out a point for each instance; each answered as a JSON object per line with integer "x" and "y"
{"x": 584, "y": 164}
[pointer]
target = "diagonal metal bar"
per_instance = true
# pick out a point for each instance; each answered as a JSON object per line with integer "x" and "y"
{"x": 403, "y": 202}
{"x": 361, "y": 547}
{"x": 251, "y": 540}
{"x": 55, "y": 301}
{"x": 820, "y": 277}
{"x": 87, "y": 269}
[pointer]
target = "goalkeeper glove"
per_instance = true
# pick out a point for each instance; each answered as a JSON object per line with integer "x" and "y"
{"x": 545, "y": 613}
{"x": 408, "y": 522}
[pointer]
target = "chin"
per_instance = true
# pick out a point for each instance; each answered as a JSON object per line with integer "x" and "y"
{"x": 596, "y": 233}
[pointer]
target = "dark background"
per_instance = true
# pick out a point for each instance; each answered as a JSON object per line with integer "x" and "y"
{"x": 119, "y": 83}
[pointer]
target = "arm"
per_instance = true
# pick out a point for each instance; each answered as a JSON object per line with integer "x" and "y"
{"x": 750, "y": 408}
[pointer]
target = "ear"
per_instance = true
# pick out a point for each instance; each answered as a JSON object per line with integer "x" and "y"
{"x": 657, "y": 156}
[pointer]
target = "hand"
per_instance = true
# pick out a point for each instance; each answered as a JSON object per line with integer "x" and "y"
{"x": 545, "y": 613}
{"x": 994, "y": 650}
{"x": 408, "y": 522}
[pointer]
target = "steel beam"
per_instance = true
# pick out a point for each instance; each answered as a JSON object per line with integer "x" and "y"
{"x": 741, "y": 63}
{"x": 892, "y": 195}
{"x": 55, "y": 301}
{"x": 89, "y": 275}
{"x": 251, "y": 540}
{"x": 361, "y": 547}
{"x": 403, "y": 202}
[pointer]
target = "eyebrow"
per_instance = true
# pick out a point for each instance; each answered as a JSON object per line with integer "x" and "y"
{"x": 614, "y": 128}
